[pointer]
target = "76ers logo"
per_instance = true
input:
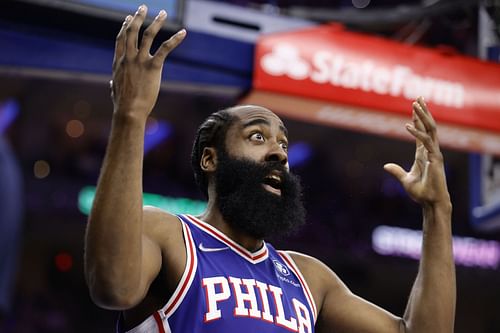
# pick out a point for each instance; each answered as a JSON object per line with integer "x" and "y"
{"x": 282, "y": 269}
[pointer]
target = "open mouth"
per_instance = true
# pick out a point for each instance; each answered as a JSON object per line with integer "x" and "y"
{"x": 272, "y": 183}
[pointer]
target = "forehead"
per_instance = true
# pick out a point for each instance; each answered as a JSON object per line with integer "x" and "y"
{"x": 252, "y": 114}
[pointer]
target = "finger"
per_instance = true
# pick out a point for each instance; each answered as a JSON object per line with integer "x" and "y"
{"x": 424, "y": 116}
{"x": 395, "y": 170}
{"x": 421, "y": 157}
{"x": 167, "y": 46}
{"x": 132, "y": 30}
{"x": 424, "y": 137}
{"x": 423, "y": 105}
{"x": 120, "y": 40}
{"x": 417, "y": 122}
{"x": 420, "y": 152}
{"x": 150, "y": 33}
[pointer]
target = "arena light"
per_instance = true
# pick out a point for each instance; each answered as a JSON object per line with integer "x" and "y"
{"x": 299, "y": 153}
{"x": 467, "y": 251}
{"x": 156, "y": 133}
{"x": 8, "y": 112}
{"x": 170, "y": 204}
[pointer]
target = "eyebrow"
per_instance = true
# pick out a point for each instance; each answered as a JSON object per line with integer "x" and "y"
{"x": 260, "y": 121}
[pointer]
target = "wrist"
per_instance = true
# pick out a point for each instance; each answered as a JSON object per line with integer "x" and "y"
{"x": 438, "y": 211}
{"x": 443, "y": 206}
{"x": 124, "y": 117}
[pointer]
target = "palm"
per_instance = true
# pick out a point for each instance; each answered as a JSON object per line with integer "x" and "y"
{"x": 136, "y": 72}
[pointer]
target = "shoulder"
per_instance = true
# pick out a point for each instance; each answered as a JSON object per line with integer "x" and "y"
{"x": 162, "y": 227}
{"x": 164, "y": 231}
{"x": 321, "y": 279}
{"x": 156, "y": 219}
{"x": 313, "y": 268}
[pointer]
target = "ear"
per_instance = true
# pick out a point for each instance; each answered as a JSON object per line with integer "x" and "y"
{"x": 208, "y": 161}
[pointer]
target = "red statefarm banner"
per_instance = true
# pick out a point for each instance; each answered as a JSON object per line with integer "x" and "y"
{"x": 372, "y": 121}
{"x": 332, "y": 64}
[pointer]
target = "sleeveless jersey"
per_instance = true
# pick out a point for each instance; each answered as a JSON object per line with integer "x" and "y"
{"x": 226, "y": 288}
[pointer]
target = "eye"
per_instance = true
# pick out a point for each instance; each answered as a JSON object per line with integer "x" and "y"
{"x": 257, "y": 136}
{"x": 284, "y": 145}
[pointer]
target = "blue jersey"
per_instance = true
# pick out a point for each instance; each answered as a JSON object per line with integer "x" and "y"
{"x": 226, "y": 288}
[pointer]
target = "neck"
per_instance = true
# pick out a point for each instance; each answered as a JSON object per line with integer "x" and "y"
{"x": 213, "y": 216}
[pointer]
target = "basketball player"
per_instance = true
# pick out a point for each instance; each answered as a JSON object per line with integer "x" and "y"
{"x": 215, "y": 273}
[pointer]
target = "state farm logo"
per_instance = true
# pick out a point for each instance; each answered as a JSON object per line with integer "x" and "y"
{"x": 284, "y": 59}
{"x": 336, "y": 69}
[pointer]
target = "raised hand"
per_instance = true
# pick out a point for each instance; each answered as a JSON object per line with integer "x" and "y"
{"x": 137, "y": 73}
{"x": 425, "y": 182}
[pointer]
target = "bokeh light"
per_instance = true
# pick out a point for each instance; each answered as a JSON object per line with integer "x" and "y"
{"x": 41, "y": 169}
{"x": 151, "y": 126}
{"x": 75, "y": 128}
{"x": 360, "y": 3}
{"x": 63, "y": 261}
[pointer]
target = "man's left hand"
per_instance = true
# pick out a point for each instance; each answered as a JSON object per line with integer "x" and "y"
{"x": 426, "y": 181}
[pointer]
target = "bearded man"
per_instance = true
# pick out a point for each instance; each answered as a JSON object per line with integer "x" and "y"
{"x": 215, "y": 273}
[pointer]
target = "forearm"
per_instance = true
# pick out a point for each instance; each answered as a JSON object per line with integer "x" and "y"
{"x": 431, "y": 307}
{"x": 114, "y": 232}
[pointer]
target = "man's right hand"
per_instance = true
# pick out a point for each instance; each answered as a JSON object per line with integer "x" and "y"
{"x": 137, "y": 73}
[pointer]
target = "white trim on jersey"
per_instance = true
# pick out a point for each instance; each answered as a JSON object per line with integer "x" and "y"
{"x": 291, "y": 263}
{"x": 187, "y": 277}
{"x": 150, "y": 325}
{"x": 252, "y": 257}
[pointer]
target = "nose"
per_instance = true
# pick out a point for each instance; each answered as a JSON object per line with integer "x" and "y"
{"x": 277, "y": 154}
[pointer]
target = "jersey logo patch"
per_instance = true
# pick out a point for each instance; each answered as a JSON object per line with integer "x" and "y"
{"x": 282, "y": 269}
{"x": 212, "y": 249}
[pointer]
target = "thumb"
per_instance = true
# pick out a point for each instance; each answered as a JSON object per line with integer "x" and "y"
{"x": 398, "y": 172}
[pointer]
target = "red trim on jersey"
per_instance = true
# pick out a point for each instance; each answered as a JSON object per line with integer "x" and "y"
{"x": 190, "y": 264}
{"x": 305, "y": 287}
{"x": 254, "y": 258}
{"x": 159, "y": 322}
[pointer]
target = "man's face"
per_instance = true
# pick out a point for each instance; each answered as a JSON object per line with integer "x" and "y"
{"x": 257, "y": 134}
{"x": 255, "y": 191}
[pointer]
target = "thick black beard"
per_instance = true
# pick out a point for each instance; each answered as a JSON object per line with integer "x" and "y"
{"x": 246, "y": 205}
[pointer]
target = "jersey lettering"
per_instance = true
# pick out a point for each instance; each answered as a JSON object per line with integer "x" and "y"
{"x": 246, "y": 302}
{"x": 266, "y": 311}
{"x": 281, "y": 320}
{"x": 212, "y": 296}
{"x": 241, "y": 298}
{"x": 303, "y": 318}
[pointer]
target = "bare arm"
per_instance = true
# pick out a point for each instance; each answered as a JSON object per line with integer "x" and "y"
{"x": 339, "y": 310}
{"x": 121, "y": 260}
{"x": 431, "y": 307}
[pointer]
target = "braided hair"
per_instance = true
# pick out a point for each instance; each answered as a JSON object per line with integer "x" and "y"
{"x": 211, "y": 133}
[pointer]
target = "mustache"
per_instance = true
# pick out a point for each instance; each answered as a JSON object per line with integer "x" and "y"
{"x": 271, "y": 166}
{"x": 268, "y": 166}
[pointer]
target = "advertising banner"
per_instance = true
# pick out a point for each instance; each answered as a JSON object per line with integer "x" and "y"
{"x": 327, "y": 63}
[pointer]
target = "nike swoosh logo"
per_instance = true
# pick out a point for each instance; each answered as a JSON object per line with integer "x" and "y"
{"x": 211, "y": 249}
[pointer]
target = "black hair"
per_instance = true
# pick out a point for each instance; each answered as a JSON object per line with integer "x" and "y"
{"x": 211, "y": 133}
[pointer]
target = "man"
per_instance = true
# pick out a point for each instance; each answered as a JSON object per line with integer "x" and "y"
{"x": 214, "y": 273}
